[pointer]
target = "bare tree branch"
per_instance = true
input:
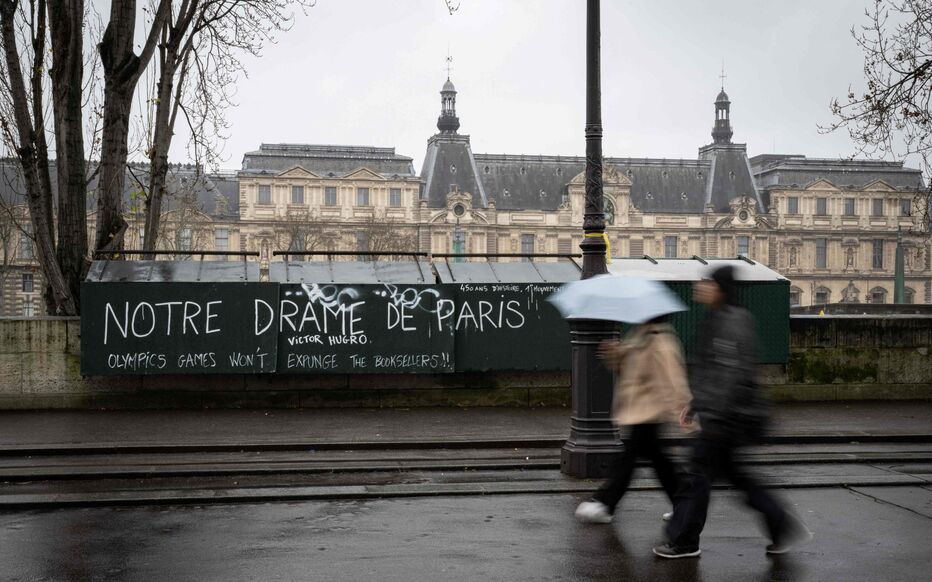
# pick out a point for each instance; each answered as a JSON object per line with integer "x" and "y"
{"x": 891, "y": 115}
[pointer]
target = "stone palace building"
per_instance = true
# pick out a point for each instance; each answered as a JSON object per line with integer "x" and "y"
{"x": 830, "y": 225}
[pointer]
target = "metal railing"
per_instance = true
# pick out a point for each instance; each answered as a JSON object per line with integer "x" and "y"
{"x": 111, "y": 254}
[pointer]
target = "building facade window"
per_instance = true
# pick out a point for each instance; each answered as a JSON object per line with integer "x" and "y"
{"x": 792, "y": 205}
{"x": 906, "y": 207}
{"x": 297, "y": 194}
{"x": 669, "y": 247}
{"x": 29, "y": 308}
{"x": 28, "y": 283}
{"x": 527, "y": 244}
{"x": 362, "y": 197}
{"x": 909, "y": 296}
{"x": 877, "y": 207}
{"x": 849, "y": 206}
{"x": 184, "y": 239}
{"x": 394, "y": 197}
{"x": 26, "y": 250}
{"x": 878, "y": 295}
{"x": 330, "y": 196}
{"x": 608, "y": 210}
{"x": 795, "y": 296}
{"x": 222, "y": 239}
{"x": 743, "y": 244}
{"x": 265, "y": 194}
{"x": 822, "y": 296}
{"x": 821, "y": 245}
{"x": 877, "y": 254}
{"x": 142, "y": 237}
{"x": 821, "y": 206}
{"x": 362, "y": 246}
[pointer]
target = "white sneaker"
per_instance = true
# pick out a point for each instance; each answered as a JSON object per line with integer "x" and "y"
{"x": 667, "y": 516}
{"x": 593, "y": 512}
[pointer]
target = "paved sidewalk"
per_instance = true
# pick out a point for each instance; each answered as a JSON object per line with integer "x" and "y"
{"x": 231, "y": 427}
{"x": 870, "y": 535}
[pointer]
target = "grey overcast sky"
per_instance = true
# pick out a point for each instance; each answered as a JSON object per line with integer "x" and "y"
{"x": 369, "y": 72}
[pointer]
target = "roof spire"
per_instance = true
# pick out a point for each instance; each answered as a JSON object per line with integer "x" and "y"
{"x": 721, "y": 131}
{"x": 448, "y": 121}
{"x": 449, "y": 60}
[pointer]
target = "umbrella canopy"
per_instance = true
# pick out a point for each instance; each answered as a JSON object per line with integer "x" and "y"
{"x": 625, "y": 299}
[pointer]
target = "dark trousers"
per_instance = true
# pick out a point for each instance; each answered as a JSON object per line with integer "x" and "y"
{"x": 643, "y": 442}
{"x": 712, "y": 458}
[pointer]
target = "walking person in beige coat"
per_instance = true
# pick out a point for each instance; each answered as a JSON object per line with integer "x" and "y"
{"x": 650, "y": 390}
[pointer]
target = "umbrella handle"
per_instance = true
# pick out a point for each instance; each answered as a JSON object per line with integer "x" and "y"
{"x": 608, "y": 245}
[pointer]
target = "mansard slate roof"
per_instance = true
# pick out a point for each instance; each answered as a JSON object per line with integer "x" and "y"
{"x": 527, "y": 182}
{"x": 217, "y": 194}
{"x": 773, "y": 170}
{"x": 326, "y": 160}
{"x": 731, "y": 176}
{"x": 661, "y": 185}
{"x": 449, "y": 161}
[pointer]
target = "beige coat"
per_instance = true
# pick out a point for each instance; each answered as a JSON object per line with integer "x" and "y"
{"x": 651, "y": 383}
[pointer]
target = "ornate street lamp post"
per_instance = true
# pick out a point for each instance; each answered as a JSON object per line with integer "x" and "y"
{"x": 593, "y": 440}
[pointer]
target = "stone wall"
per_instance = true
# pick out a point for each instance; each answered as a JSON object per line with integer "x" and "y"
{"x": 856, "y": 358}
{"x": 831, "y": 358}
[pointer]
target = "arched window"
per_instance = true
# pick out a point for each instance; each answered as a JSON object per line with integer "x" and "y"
{"x": 823, "y": 295}
{"x": 909, "y": 296}
{"x": 878, "y": 295}
{"x": 608, "y": 209}
{"x": 796, "y": 295}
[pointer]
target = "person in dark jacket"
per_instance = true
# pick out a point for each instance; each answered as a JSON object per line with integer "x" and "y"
{"x": 731, "y": 410}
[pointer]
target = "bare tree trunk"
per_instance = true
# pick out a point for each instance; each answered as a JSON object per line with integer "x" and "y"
{"x": 173, "y": 59}
{"x": 32, "y": 152}
{"x": 122, "y": 68}
{"x": 165, "y": 112}
{"x": 67, "y": 74}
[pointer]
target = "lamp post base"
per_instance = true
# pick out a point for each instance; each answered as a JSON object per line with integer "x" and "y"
{"x": 593, "y": 443}
{"x": 588, "y": 462}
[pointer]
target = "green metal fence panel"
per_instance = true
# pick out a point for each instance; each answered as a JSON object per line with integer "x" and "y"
{"x": 384, "y": 328}
{"x": 509, "y": 326}
{"x": 178, "y": 327}
{"x": 769, "y": 304}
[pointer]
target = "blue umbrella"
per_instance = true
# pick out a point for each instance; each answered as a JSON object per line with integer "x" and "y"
{"x": 616, "y": 298}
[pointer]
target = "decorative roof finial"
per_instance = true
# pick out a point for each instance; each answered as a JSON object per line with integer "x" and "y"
{"x": 722, "y": 76}
{"x": 449, "y": 60}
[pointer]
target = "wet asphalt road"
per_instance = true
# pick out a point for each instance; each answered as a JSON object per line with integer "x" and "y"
{"x": 876, "y": 534}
